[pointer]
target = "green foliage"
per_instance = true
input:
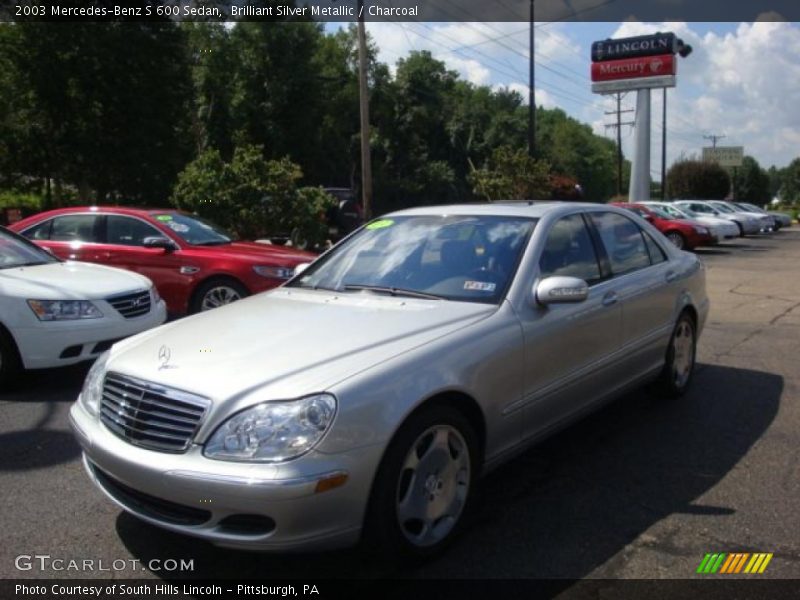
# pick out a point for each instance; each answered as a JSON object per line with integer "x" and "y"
{"x": 752, "y": 183}
{"x": 512, "y": 175}
{"x": 790, "y": 188}
{"x": 698, "y": 180}
{"x": 11, "y": 199}
{"x": 252, "y": 196}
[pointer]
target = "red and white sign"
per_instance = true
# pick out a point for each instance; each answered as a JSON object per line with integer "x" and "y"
{"x": 634, "y": 68}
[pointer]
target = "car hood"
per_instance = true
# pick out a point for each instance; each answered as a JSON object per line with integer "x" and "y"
{"x": 287, "y": 342}
{"x": 257, "y": 253}
{"x": 69, "y": 281}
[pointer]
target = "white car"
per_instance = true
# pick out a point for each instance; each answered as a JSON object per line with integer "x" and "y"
{"x": 55, "y": 313}
{"x": 766, "y": 223}
{"x": 747, "y": 225}
{"x": 781, "y": 219}
{"x": 721, "y": 229}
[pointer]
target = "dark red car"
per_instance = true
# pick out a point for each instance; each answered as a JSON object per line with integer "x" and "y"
{"x": 685, "y": 234}
{"x": 194, "y": 264}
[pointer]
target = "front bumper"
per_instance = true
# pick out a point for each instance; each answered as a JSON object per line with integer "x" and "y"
{"x": 269, "y": 507}
{"x": 46, "y": 344}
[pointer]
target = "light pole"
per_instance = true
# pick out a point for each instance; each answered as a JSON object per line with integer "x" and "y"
{"x": 531, "y": 94}
{"x": 363, "y": 94}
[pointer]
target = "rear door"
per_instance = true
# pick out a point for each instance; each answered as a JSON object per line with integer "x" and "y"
{"x": 646, "y": 285}
{"x": 70, "y": 237}
{"x": 568, "y": 346}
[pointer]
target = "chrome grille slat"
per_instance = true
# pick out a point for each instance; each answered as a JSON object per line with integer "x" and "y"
{"x": 133, "y": 305}
{"x": 155, "y": 413}
{"x": 184, "y": 431}
{"x": 140, "y": 413}
{"x": 190, "y": 412}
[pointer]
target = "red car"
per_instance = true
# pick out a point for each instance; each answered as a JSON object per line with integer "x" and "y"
{"x": 194, "y": 264}
{"x": 685, "y": 234}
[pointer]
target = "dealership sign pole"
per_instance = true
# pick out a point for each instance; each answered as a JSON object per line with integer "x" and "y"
{"x": 638, "y": 63}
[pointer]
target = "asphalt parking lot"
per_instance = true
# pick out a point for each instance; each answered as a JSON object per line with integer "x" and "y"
{"x": 642, "y": 489}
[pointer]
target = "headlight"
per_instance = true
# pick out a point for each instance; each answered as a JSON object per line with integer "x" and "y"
{"x": 64, "y": 310}
{"x": 273, "y": 431}
{"x": 92, "y": 391}
{"x": 701, "y": 230}
{"x": 274, "y": 272}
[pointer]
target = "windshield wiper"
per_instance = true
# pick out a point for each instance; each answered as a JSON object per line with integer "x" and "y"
{"x": 393, "y": 291}
{"x": 27, "y": 264}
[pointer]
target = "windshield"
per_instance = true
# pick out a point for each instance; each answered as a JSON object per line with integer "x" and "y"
{"x": 679, "y": 213}
{"x": 454, "y": 257}
{"x": 723, "y": 207}
{"x": 194, "y": 230}
{"x": 751, "y": 208}
{"x": 18, "y": 252}
{"x": 661, "y": 213}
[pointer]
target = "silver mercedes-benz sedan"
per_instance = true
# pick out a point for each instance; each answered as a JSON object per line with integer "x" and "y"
{"x": 364, "y": 399}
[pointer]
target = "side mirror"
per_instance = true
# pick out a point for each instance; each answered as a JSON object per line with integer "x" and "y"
{"x": 561, "y": 290}
{"x": 159, "y": 242}
{"x": 300, "y": 268}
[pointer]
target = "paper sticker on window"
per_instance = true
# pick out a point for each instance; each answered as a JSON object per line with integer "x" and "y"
{"x": 380, "y": 224}
{"x": 178, "y": 227}
{"x": 479, "y": 286}
{"x": 164, "y": 217}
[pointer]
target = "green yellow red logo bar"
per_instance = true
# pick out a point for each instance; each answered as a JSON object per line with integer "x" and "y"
{"x": 734, "y": 562}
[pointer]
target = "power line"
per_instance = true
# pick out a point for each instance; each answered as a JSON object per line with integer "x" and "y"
{"x": 714, "y": 139}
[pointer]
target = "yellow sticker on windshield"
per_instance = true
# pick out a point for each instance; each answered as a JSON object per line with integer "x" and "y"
{"x": 380, "y": 224}
{"x": 164, "y": 217}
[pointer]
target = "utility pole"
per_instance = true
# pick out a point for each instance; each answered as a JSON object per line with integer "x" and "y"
{"x": 363, "y": 94}
{"x": 664, "y": 147}
{"x": 531, "y": 95}
{"x": 618, "y": 126}
{"x": 714, "y": 139}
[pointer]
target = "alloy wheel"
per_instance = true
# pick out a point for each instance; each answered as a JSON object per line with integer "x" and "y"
{"x": 219, "y": 296}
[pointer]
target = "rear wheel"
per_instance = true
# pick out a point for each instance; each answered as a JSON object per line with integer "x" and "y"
{"x": 680, "y": 360}
{"x": 424, "y": 486}
{"x": 10, "y": 363}
{"x": 217, "y": 292}
{"x": 677, "y": 239}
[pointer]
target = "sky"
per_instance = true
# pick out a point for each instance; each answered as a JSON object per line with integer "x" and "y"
{"x": 742, "y": 80}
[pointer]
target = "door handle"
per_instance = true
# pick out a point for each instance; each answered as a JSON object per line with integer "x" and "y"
{"x": 671, "y": 276}
{"x": 610, "y": 298}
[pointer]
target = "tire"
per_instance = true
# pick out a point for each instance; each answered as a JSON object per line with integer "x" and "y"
{"x": 215, "y": 293}
{"x": 411, "y": 518}
{"x": 676, "y": 377}
{"x": 10, "y": 363}
{"x": 677, "y": 239}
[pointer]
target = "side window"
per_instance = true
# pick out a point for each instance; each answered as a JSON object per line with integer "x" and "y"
{"x": 74, "y": 228}
{"x": 656, "y": 253}
{"x": 126, "y": 231}
{"x": 569, "y": 251}
{"x": 40, "y": 231}
{"x": 623, "y": 241}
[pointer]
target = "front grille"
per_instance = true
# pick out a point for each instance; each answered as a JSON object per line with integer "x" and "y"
{"x": 150, "y": 506}
{"x": 131, "y": 305}
{"x": 150, "y": 415}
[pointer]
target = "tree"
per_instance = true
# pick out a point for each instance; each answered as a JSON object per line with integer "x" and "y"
{"x": 790, "y": 190}
{"x": 698, "y": 180}
{"x": 252, "y": 196}
{"x": 751, "y": 182}
{"x": 512, "y": 175}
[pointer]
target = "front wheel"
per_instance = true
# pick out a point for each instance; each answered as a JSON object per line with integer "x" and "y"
{"x": 677, "y": 239}
{"x": 217, "y": 292}
{"x": 10, "y": 364}
{"x": 424, "y": 486}
{"x": 680, "y": 360}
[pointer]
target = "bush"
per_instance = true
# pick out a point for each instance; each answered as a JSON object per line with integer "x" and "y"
{"x": 699, "y": 180}
{"x": 253, "y": 197}
{"x": 9, "y": 199}
{"x": 512, "y": 175}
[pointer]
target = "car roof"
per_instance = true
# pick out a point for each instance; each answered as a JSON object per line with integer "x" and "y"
{"x": 104, "y": 210}
{"x": 504, "y": 208}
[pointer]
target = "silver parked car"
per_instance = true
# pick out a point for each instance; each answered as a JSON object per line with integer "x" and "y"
{"x": 364, "y": 399}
